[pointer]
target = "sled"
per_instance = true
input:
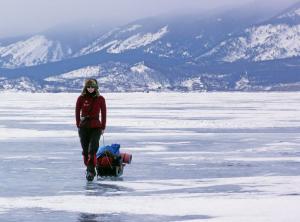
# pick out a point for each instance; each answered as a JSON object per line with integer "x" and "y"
{"x": 110, "y": 162}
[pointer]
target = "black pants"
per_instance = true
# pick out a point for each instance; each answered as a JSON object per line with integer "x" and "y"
{"x": 89, "y": 139}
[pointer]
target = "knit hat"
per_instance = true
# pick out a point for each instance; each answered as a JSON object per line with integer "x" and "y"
{"x": 90, "y": 83}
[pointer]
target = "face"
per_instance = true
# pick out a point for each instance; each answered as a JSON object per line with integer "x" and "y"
{"x": 90, "y": 89}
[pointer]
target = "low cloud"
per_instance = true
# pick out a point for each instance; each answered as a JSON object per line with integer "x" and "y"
{"x": 20, "y": 17}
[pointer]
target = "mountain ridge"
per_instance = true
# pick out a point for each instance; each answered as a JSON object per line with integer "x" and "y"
{"x": 184, "y": 53}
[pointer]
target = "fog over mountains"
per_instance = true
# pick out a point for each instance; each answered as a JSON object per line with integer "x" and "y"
{"x": 246, "y": 49}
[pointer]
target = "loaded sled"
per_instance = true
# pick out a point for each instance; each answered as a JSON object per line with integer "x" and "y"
{"x": 110, "y": 161}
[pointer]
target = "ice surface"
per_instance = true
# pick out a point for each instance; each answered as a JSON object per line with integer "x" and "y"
{"x": 196, "y": 157}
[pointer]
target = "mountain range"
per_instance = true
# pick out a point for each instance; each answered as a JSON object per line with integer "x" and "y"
{"x": 248, "y": 48}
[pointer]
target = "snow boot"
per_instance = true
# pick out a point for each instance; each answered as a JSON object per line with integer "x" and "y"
{"x": 90, "y": 174}
{"x": 90, "y": 170}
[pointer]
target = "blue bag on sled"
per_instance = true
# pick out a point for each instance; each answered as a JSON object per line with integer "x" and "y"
{"x": 113, "y": 149}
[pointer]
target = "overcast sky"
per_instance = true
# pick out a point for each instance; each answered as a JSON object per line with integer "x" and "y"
{"x": 27, "y": 16}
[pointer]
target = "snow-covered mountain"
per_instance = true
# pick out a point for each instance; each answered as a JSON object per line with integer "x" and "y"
{"x": 124, "y": 78}
{"x": 53, "y": 45}
{"x": 241, "y": 49}
{"x": 32, "y": 51}
{"x": 277, "y": 38}
{"x": 20, "y": 85}
{"x": 114, "y": 41}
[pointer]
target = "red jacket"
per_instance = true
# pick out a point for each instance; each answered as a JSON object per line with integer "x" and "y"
{"x": 83, "y": 105}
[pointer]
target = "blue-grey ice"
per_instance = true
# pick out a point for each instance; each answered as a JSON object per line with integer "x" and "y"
{"x": 196, "y": 157}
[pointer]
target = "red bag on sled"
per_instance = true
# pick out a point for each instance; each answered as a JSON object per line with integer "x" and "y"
{"x": 110, "y": 162}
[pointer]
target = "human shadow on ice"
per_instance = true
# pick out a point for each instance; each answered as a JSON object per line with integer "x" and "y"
{"x": 84, "y": 217}
{"x": 99, "y": 189}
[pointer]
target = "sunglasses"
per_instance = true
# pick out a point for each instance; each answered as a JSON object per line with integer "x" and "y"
{"x": 92, "y": 86}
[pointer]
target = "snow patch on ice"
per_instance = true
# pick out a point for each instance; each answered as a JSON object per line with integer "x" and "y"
{"x": 37, "y": 168}
{"x": 265, "y": 159}
{"x": 182, "y": 164}
{"x": 154, "y": 148}
{"x": 15, "y": 133}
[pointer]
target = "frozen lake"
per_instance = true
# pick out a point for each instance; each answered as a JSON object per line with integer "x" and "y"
{"x": 196, "y": 157}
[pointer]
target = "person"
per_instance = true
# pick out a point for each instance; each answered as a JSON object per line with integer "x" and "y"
{"x": 90, "y": 104}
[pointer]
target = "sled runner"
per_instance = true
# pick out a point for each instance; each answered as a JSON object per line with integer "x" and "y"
{"x": 110, "y": 161}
